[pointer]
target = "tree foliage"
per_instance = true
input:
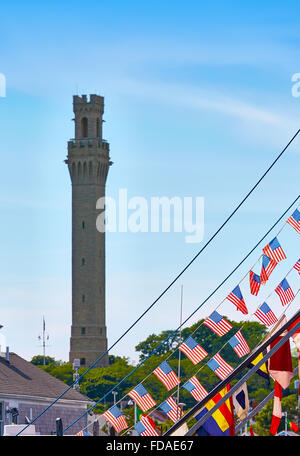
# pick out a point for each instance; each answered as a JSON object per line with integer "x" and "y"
{"x": 99, "y": 381}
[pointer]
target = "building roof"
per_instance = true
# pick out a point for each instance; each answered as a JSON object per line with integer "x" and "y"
{"x": 22, "y": 378}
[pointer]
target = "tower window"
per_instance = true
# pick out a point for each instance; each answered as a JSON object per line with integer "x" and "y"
{"x": 83, "y": 298}
{"x": 82, "y": 330}
{"x": 82, "y": 261}
{"x": 98, "y": 127}
{"x": 84, "y": 127}
{"x": 83, "y": 224}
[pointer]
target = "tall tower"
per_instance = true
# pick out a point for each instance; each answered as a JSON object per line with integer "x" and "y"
{"x": 88, "y": 162}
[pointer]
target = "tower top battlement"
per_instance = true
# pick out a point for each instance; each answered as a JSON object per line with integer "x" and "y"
{"x": 88, "y": 116}
{"x": 84, "y": 100}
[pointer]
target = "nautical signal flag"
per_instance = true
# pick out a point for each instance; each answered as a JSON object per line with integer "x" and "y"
{"x": 166, "y": 375}
{"x": 218, "y": 324}
{"x": 221, "y": 422}
{"x": 285, "y": 292}
{"x": 265, "y": 315}
{"x": 274, "y": 251}
{"x": 293, "y": 426}
{"x": 193, "y": 350}
{"x": 194, "y": 387}
{"x": 297, "y": 266}
{"x": 241, "y": 401}
{"x": 267, "y": 268}
{"x": 239, "y": 344}
{"x": 277, "y": 410}
{"x": 263, "y": 369}
{"x": 116, "y": 418}
{"x": 171, "y": 409}
{"x": 294, "y": 220}
{"x": 280, "y": 363}
{"x": 254, "y": 283}
{"x": 237, "y": 299}
{"x": 146, "y": 427}
{"x": 219, "y": 366}
{"x": 141, "y": 396}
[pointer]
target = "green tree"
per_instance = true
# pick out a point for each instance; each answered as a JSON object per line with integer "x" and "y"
{"x": 38, "y": 360}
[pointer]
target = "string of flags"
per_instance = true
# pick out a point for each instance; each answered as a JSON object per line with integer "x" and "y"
{"x": 273, "y": 253}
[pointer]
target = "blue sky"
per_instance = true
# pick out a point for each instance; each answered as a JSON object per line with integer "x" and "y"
{"x": 198, "y": 102}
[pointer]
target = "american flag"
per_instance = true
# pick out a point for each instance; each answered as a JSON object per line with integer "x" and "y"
{"x": 297, "y": 266}
{"x": 265, "y": 315}
{"x": 194, "y": 387}
{"x": 171, "y": 409}
{"x": 116, "y": 418}
{"x": 83, "y": 433}
{"x": 274, "y": 251}
{"x": 219, "y": 366}
{"x": 254, "y": 283}
{"x": 145, "y": 427}
{"x": 236, "y": 298}
{"x": 267, "y": 268}
{"x": 218, "y": 324}
{"x": 294, "y": 220}
{"x": 239, "y": 344}
{"x": 284, "y": 292}
{"x": 193, "y": 350}
{"x": 141, "y": 396}
{"x": 166, "y": 375}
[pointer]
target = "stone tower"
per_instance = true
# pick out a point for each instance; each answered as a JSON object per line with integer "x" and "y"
{"x": 88, "y": 162}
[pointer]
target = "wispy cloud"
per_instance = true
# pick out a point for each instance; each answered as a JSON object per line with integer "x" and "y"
{"x": 202, "y": 99}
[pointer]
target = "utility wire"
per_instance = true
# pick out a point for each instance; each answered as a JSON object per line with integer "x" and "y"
{"x": 176, "y": 330}
{"x": 173, "y": 281}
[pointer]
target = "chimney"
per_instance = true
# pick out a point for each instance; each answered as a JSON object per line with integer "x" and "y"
{"x": 7, "y": 354}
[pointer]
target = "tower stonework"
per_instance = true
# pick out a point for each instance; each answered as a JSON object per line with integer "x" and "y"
{"x": 88, "y": 162}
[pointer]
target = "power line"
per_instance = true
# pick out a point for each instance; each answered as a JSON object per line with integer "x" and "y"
{"x": 173, "y": 281}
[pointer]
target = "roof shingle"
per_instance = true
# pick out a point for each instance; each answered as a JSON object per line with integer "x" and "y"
{"x": 20, "y": 377}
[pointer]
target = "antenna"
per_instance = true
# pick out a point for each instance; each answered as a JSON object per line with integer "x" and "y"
{"x": 44, "y": 341}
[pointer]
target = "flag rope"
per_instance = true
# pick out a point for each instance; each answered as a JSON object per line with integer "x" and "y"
{"x": 154, "y": 351}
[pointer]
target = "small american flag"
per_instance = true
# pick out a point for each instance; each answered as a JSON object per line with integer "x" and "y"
{"x": 297, "y": 266}
{"x": 166, "y": 375}
{"x": 254, "y": 283}
{"x": 265, "y": 315}
{"x": 294, "y": 220}
{"x": 239, "y": 344}
{"x": 274, "y": 251}
{"x": 171, "y": 409}
{"x": 193, "y": 350}
{"x": 116, "y": 418}
{"x": 218, "y": 324}
{"x": 194, "y": 387}
{"x": 285, "y": 292}
{"x": 145, "y": 427}
{"x": 237, "y": 299}
{"x": 83, "y": 433}
{"x": 267, "y": 268}
{"x": 219, "y": 366}
{"x": 141, "y": 396}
